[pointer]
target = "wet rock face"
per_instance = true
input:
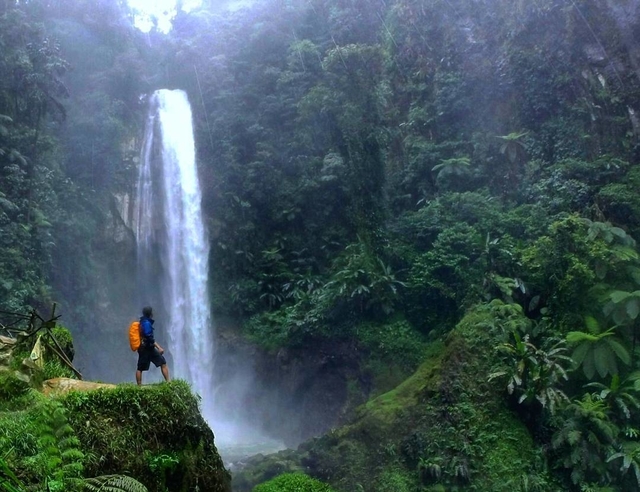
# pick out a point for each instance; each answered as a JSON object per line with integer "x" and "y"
{"x": 308, "y": 391}
{"x": 292, "y": 394}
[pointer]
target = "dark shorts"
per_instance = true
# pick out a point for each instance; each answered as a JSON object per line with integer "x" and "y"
{"x": 148, "y": 355}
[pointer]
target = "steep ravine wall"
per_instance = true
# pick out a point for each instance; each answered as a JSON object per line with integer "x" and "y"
{"x": 292, "y": 394}
{"x": 445, "y": 428}
{"x": 100, "y": 330}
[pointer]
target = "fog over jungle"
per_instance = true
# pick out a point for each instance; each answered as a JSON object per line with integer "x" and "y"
{"x": 400, "y": 234}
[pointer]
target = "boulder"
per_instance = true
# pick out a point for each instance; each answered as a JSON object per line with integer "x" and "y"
{"x": 64, "y": 385}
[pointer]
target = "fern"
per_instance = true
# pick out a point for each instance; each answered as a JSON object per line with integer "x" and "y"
{"x": 64, "y": 460}
{"x": 113, "y": 483}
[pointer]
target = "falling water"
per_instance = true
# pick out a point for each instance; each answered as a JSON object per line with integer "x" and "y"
{"x": 173, "y": 269}
{"x": 173, "y": 249}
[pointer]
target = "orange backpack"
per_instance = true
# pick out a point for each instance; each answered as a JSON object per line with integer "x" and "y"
{"x": 135, "y": 339}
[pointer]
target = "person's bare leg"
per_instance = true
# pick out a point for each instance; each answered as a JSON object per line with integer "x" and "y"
{"x": 139, "y": 377}
{"x": 165, "y": 372}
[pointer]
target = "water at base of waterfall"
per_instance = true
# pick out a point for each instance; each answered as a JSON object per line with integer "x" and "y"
{"x": 234, "y": 455}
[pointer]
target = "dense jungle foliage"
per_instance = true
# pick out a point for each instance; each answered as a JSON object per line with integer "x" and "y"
{"x": 371, "y": 171}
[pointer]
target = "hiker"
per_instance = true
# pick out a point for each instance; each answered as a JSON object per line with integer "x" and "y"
{"x": 149, "y": 350}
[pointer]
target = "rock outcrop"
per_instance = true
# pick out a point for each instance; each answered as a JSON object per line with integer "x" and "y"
{"x": 156, "y": 433}
{"x": 58, "y": 386}
{"x": 153, "y": 433}
{"x": 6, "y": 346}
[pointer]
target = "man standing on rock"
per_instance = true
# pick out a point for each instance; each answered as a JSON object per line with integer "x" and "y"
{"x": 149, "y": 350}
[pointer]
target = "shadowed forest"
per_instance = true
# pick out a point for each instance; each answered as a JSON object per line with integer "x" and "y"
{"x": 433, "y": 202}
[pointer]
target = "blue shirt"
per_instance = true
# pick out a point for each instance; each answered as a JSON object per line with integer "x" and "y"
{"x": 146, "y": 327}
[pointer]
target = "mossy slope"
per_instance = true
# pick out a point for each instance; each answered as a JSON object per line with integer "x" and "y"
{"x": 445, "y": 426}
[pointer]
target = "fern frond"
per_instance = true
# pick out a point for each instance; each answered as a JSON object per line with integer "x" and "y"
{"x": 114, "y": 483}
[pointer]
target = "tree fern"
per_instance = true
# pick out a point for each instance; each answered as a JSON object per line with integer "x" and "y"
{"x": 597, "y": 350}
{"x": 113, "y": 483}
{"x": 457, "y": 166}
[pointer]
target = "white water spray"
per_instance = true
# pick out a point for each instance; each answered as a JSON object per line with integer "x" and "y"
{"x": 173, "y": 250}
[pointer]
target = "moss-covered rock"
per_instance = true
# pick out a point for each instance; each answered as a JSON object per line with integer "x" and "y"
{"x": 260, "y": 468}
{"x": 156, "y": 434}
{"x": 445, "y": 426}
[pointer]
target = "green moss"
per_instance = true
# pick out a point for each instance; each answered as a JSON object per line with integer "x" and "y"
{"x": 145, "y": 429}
{"x": 394, "y": 350}
{"x": 262, "y": 468}
{"x": 293, "y": 482}
{"x": 387, "y": 407}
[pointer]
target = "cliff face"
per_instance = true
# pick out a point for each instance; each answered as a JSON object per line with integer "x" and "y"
{"x": 290, "y": 394}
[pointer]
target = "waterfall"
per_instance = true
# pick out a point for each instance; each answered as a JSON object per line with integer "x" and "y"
{"x": 173, "y": 249}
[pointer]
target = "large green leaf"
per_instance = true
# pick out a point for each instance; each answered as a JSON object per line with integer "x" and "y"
{"x": 619, "y": 349}
{"x": 602, "y": 358}
{"x": 581, "y": 336}
{"x": 633, "y": 307}
{"x": 580, "y": 353}
{"x": 619, "y": 296}
{"x": 592, "y": 325}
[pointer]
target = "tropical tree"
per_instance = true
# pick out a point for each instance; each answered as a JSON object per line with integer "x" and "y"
{"x": 512, "y": 146}
{"x": 362, "y": 278}
{"x": 597, "y": 350}
{"x": 457, "y": 166}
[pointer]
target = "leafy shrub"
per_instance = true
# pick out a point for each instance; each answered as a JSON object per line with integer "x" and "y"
{"x": 11, "y": 386}
{"x": 55, "y": 368}
{"x": 396, "y": 481}
{"x": 274, "y": 329}
{"x": 293, "y": 482}
{"x": 65, "y": 339}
